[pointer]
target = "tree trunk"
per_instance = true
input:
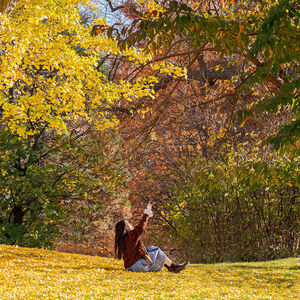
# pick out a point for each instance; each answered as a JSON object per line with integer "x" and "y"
{"x": 18, "y": 214}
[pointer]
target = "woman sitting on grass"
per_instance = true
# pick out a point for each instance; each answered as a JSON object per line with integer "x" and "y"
{"x": 136, "y": 257}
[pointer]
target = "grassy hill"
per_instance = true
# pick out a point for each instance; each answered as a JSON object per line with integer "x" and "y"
{"x": 42, "y": 274}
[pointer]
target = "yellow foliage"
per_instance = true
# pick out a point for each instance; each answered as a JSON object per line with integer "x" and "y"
{"x": 40, "y": 57}
{"x": 42, "y": 274}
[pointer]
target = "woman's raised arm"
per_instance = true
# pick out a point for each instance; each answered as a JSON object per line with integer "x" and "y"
{"x": 141, "y": 226}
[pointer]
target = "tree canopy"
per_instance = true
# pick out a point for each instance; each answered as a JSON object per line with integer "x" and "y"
{"x": 262, "y": 34}
{"x": 49, "y": 71}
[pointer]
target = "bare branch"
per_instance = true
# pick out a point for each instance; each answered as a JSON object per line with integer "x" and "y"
{"x": 114, "y": 8}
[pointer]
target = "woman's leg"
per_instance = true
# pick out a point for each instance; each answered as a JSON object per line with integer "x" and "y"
{"x": 140, "y": 266}
{"x": 160, "y": 260}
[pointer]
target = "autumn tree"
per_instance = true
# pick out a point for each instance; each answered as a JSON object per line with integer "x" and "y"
{"x": 262, "y": 34}
{"x": 54, "y": 93}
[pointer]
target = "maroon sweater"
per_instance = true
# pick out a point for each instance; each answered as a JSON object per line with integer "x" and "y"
{"x": 133, "y": 246}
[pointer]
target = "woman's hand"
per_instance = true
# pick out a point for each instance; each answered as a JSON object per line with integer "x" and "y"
{"x": 148, "y": 211}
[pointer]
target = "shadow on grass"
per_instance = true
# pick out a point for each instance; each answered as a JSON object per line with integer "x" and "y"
{"x": 96, "y": 268}
{"x": 265, "y": 267}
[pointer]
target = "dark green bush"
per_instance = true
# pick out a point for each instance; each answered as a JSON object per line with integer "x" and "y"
{"x": 239, "y": 208}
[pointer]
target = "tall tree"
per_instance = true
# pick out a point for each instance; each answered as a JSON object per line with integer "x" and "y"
{"x": 53, "y": 93}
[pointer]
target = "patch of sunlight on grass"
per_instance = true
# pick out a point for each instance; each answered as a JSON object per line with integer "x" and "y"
{"x": 27, "y": 273}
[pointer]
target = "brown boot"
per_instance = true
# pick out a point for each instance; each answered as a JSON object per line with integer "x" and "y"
{"x": 170, "y": 268}
{"x": 177, "y": 268}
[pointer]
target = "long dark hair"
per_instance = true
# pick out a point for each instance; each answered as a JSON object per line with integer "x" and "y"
{"x": 120, "y": 239}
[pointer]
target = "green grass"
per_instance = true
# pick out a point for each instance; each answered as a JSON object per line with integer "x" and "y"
{"x": 42, "y": 274}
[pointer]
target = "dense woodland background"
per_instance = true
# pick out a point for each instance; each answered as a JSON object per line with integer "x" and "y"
{"x": 214, "y": 148}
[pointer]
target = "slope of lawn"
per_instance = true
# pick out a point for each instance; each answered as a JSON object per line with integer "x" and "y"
{"x": 43, "y": 274}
